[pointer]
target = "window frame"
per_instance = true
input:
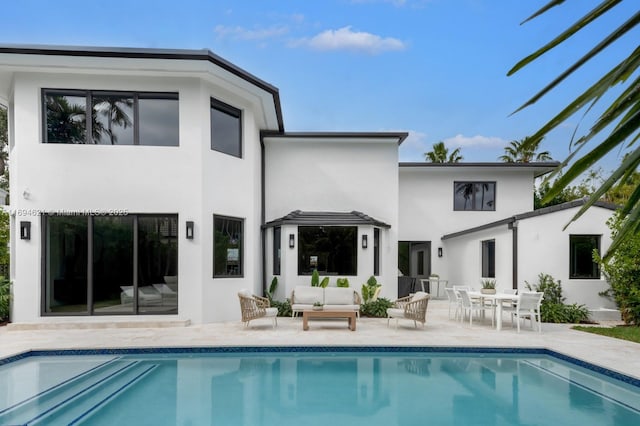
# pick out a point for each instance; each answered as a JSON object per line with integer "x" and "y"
{"x": 490, "y": 261}
{"x": 240, "y": 253}
{"x": 356, "y": 252}
{"x": 89, "y": 95}
{"x": 572, "y": 266}
{"x": 376, "y": 252}
{"x": 473, "y": 203}
{"x": 90, "y": 307}
{"x": 277, "y": 250}
{"x": 232, "y": 111}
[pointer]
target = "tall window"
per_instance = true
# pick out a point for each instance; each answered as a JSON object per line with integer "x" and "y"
{"x": 277, "y": 243}
{"x": 581, "y": 264}
{"x": 474, "y": 196}
{"x": 489, "y": 259}
{"x": 110, "y": 264}
{"x": 226, "y": 128}
{"x": 329, "y": 249}
{"x": 227, "y": 246}
{"x": 116, "y": 118}
{"x": 376, "y": 251}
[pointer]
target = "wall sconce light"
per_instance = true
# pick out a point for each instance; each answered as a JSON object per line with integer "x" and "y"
{"x": 292, "y": 240}
{"x": 365, "y": 242}
{"x": 25, "y": 230}
{"x": 189, "y": 231}
{"x": 439, "y": 251}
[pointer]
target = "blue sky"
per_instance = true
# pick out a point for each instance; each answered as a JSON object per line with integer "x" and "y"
{"x": 434, "y": 68}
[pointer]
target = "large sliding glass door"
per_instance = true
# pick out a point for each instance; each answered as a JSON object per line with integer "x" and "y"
{"x": 110, "y": 264}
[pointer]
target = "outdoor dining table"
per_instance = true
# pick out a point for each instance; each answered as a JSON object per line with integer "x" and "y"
{"x": 497, "y": 300}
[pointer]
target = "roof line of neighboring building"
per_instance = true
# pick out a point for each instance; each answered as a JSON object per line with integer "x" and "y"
{"x": 401, "y": 136}
{"x": 543, "y": 167}
{"x": 532, "y": 213}
{"x": 141, "y": 53}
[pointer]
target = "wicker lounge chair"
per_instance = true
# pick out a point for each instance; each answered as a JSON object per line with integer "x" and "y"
{"x": 411, "y": 308}
{"x": 254, "y": 307}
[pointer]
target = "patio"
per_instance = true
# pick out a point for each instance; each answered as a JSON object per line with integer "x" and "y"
{"x": 614, "y": 354}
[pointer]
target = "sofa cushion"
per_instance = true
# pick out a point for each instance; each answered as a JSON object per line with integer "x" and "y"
{"x": 350, "y": 307}
{"x": 308, "y": 295}
{"x": 338, "y": 296}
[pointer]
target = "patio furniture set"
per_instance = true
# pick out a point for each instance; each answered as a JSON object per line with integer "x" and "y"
{"x": 525, "y": 305}
{"x": 344, "y": 303}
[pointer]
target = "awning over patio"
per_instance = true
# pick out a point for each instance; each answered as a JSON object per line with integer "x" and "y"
{"x": 299, "y": 217}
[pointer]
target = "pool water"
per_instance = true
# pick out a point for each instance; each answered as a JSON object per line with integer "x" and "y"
{"x": 342, "y": 387}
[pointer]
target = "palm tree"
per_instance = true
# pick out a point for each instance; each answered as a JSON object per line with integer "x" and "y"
{"x": 440, "y": 154}
{"x": 524, "y": 151}
{"x": 619, "y": 124}
{"x": 115, "y": 110}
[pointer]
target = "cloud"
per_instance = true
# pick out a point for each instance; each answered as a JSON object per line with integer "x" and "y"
{"x": 241, "y": 33}
{"x": 347, "y": 39}
{"x": 475, "y": 141}
{"x": 393, "y": 2}
{"x": 414, "y": 147}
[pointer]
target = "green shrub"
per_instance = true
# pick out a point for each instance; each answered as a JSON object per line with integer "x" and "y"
{"x": 315, "y": 278}
{"x": 325, "y": 282}
{"x": 5, "y": 298}
{"x": 272, "y": 288}
{"x": 377, "y": 308}
{"x": 553, "y": 308}
{"x": 369, "y": 288}
{"x": 622, "y": 270}
{"x": 284, "y": 308}
{"x": 342, "y": 282}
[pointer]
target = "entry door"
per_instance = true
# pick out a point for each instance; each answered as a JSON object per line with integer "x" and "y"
{"x": 420, "y": 260}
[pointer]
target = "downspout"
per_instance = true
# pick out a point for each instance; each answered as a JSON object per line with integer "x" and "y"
{"x": 514, "y": 250}
{"x": 263, "y": 240}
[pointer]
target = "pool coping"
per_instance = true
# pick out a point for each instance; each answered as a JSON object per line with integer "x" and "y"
{"x": 326, "y": 349}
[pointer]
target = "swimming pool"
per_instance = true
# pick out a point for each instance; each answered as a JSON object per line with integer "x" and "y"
{"x": 313, "y": 386}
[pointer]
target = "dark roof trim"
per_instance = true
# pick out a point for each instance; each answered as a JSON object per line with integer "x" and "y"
{"x": 401, "y": 136}
{"x": 527, "y": 215}
{"x": 541, "y": 167}
{"x": 299, "y": 217}
{"x": 139, "y": 53}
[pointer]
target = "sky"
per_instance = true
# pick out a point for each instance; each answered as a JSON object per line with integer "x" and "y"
{"x": 436, "y": 69}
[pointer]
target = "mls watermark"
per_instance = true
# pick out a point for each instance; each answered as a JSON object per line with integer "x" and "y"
{"x": 64, "y": 212}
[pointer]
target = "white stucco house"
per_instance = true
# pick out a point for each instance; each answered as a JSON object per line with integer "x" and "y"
{"x": 155, "y": 184}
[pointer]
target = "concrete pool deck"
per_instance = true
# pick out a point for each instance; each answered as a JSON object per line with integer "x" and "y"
{"x": 614, "y": 354}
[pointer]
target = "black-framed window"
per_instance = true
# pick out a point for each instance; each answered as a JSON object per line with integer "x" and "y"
{"x": 108, "y": 265}
{"x": 489, "y": 259}
{"x": 376, "y": 251}
{"x": 226, "y": 128}
{"x": 228, "y": 234}
{"x": 116, "y": 117}
{"x": 332, "y": 250}
{"x": 581, "y": 264}
{"x": 277, "y": 245}
{"x": 474, "y": 196}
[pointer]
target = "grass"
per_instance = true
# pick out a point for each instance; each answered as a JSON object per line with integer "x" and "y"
{"x": 625, "y": 332}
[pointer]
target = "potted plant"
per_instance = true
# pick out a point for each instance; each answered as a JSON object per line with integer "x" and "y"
{"x": 317, "y": 306}
{"x": 488, "y": 286}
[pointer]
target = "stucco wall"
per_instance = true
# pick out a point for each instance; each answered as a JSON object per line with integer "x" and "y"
{"x": 426, "y": 207}
{"x": 335, "y": 175}
{"x": 190, "y": 180}
{"x": 544, "y": 248}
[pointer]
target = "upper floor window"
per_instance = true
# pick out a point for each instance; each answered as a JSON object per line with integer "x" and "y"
{"x": 581, "y": 264}
{"x": 474, "y": 196}
{"x": 116, "y": 118}
{"x": 226, "y": 128}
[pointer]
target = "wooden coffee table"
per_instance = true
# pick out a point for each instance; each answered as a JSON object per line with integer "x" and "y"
{"x": 350, "y": 315}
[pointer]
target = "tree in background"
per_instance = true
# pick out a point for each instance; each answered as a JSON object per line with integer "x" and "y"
{"x": 524, "y": 151}
{"x": 440, "y": 154}
{"x": 587, "y": 186}
{"x": 619, "y": 124}
{"x": 4, "y": 153}
{"x": 622, "y": 270}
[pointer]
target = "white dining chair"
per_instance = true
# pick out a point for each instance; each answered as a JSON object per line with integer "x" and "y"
{"x": 473, "y": 306}
{"x": 454, "y": 300}
{"x": 528, "y": 306}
